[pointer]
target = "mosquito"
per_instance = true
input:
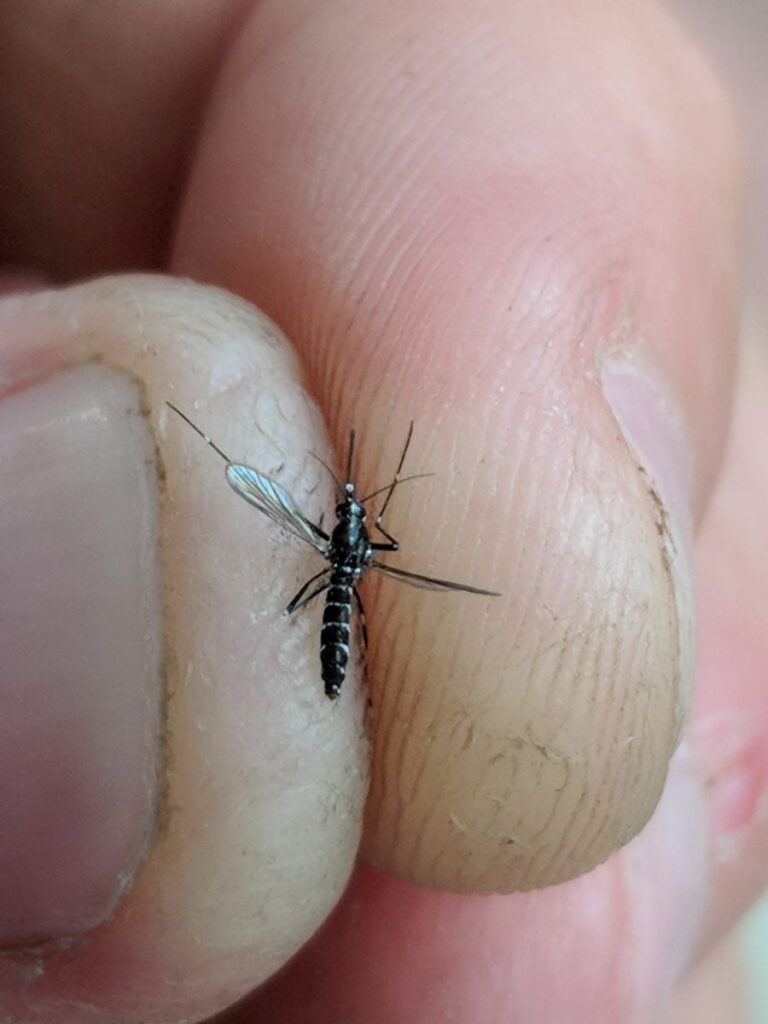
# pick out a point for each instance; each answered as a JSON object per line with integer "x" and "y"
{"x": 348, "y": 550}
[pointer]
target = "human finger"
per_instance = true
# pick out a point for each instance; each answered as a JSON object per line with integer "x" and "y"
{"x": 614, "y": 944}
{"x": 524, "y": 238}
{"x": 99, "y": 106}
{"x": 183, "y": 805}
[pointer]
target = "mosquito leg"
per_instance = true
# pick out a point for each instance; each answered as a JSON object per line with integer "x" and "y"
{"x": 363, "y": 627}
{"x": 317, "y": 529}
{"x": 392, "y": 544}
{"x": 350, "y": 454}
{"x": 311, "y": 597}
{"x": 393, "y": 485}
{"x": 294, "y": 604}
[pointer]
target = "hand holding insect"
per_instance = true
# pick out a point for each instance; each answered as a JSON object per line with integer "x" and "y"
{"x": 514, "y": 222}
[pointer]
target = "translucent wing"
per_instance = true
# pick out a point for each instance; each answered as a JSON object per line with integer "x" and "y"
{"x": 427, "y": 582}
{"x": 274, "y": 501}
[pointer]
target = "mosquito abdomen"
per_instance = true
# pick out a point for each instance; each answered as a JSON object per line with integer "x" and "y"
{"x": 334, "y": 636}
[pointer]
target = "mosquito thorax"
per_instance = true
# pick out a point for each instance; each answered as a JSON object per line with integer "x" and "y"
{"x": 350, "y": 509}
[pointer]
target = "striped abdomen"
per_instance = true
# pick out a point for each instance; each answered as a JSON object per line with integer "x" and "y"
{"x": 334, "y": 636}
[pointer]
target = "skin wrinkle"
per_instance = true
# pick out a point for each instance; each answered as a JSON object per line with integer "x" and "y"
{"x": 425, "y": 837}
{"x": 545, "y": 857}
{"x": 392, "y": 753}
{"x": 610, "y": 735}
{"x": 597, "y": 641}
{"x": 624, "y": 609}
{"x": 591, "y": 834}
{"x": 544, "y": 526}
{"x": 586, "y": 822}
{"x": 407, "y": 260}
{"x": 399, "y": 169}
{"x": 404, "y": 263}
{"x": 414, "y": 739}
{"x": 548, "y": 859}
{"x": 403, "y": 168}
{"x": 385, "y": 667}
{"x": 396, "y": 820}
{"x": 545, "y": 529}
{"x": 589, "y": 838}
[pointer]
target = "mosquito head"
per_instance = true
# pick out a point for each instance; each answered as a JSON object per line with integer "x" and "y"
{"x": 349, "y": 508}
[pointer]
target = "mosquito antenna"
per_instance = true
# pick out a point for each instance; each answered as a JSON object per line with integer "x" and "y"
{"x": 197, "y": 430}
{"x": 402, "y": 480}
{"x": 396, "y": 477}
{"x": 326, "y": 466}
{"x": 350, "y": 454}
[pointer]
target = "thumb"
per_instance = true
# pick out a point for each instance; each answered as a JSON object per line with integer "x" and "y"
{"x": 182, "y": 805}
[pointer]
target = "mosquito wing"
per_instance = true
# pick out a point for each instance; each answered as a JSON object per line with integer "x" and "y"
{"x": 427, "y": 582}
{"x": 274, "y": 501}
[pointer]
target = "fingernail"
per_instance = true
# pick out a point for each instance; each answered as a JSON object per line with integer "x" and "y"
{"x": 666, "y": 873}
{"x": 654, "y": 433}
{"x": 79, "y": 651}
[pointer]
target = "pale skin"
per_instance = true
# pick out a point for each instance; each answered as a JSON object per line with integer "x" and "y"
{"x": 468, "y": 219}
